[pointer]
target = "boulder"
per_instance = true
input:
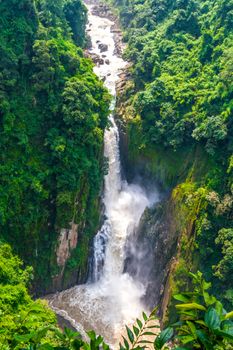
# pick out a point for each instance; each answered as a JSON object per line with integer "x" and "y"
{"x": 103, "y": 47}
{"x": 96, "y": 59}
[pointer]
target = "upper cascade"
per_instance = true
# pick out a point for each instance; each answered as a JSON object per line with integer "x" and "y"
{"x": 111, "y": 298}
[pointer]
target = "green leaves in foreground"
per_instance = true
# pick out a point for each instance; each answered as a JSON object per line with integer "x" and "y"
{"x": 66, "y": 340}
{"x": 202, "y": 323}
{"x": 163, "y": 338}
{"x": 145, "y": 332}
{"x": 96, "y": 342}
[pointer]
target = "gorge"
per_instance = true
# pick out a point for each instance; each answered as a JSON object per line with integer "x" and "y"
{"x": 111, "y": 298}
{"x": 116, "y": 174}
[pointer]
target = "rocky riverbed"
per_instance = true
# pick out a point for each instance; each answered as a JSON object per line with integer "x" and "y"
{"x": 104, "y": 11}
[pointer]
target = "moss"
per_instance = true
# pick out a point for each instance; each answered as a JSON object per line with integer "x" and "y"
{"x": 165, "y": 165}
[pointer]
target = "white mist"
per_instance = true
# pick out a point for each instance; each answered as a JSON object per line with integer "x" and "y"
{"x": 113, "y": 298}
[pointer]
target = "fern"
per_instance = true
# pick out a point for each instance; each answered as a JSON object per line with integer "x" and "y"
{"x": 139, "y": 330}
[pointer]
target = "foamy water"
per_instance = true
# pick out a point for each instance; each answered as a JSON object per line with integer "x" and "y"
{"x": 112, "y": 298}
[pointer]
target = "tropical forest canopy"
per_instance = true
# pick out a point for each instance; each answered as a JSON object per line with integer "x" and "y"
{"x": 180, "y": 101}
{"x": 53, "y": 111}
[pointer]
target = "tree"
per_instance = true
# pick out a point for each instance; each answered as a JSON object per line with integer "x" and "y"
{"x": 224, "y": 268}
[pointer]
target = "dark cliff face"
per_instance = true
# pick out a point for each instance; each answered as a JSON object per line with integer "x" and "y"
{"x": 150, "y": 252}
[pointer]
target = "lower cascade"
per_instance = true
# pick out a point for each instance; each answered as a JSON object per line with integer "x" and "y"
{"x": 111, "y": 298}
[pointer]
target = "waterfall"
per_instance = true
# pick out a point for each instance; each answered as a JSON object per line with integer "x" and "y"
{"x": 112, "y": 298}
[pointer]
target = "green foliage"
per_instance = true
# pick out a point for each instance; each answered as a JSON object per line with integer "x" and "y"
{"x": 20, "y": 315}
{"x": 225, "y": 266}
{"x": 136, "y": 338}
{"x": 28, "y": 324}
{"x": 178, "y": 114}
{"x": 179, "y": 51}
{"x": 53, "y": 111}
{"x": 75, "y": 13}
{"x": 202, "y": 323}
{"x": 66, "y": 340}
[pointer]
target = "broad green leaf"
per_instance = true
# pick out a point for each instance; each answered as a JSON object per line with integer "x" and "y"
{"x": 185, "y": 339}
{"x": 191, "y": 306}
{"x": 98, "y": 341}
{"x": 219, "y": 307}
{"x": 105, "y": 346}
{"x": 144, "y": 316}
{"x": 191, "y": 314}
{"x": 194, "y": 276}
{"x": 23, "y": 338}
{"x": 91, "y": 335}
{"x": 70, "y": 333}
{"x": 224, "y": 334}
{"x": 184, "y": 329}
{"x": 148, "y": 333}
{"x": 163, "y": 338}
{"x": 139, "y": 323}
{"x": 192, "y": 327}
{"x": 153, "y": 314}
{"x": 130, "y": 334}
{"x": 227, "y": 326}
{"x": 228, "y": 315}
{"x": 212, "y": 318}
{"x": 121, "y": 346}
{"x": 181, "y": 297}
{"x": 204, "y": 338}
{"x": 206, "y": 285}
{"x": 177, "y": 324}
{"x": 136, "y": 330}
{"x": 209, "y": 299}
{"x": 126, "y": 343}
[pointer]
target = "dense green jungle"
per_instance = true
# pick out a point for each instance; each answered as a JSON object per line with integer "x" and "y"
{"x": 177, "y": 107}
{"x": 176, "y": 122}
{"x": 53, "y": 113}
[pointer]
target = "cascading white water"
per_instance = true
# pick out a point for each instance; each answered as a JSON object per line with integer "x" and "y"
{"x": 113, "y": 298}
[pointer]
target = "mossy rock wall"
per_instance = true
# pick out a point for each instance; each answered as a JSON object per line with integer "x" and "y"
{"x": 175, "y": 228}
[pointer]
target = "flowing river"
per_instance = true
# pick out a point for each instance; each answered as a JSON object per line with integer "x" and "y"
{"x": 111, "y": 298}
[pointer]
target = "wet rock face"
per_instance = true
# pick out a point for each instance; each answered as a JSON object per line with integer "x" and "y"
{"x": 150, "y": 256}
{"x": 103, "y": 47}
{"x": 68, "y": 240}
{"x": 95, "y": 58}
{"x": 103, "y": 10}
{"x": 124, "y": 77}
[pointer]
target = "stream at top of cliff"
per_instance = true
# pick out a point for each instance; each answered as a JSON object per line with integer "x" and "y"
{"x": 111, "y": 298}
